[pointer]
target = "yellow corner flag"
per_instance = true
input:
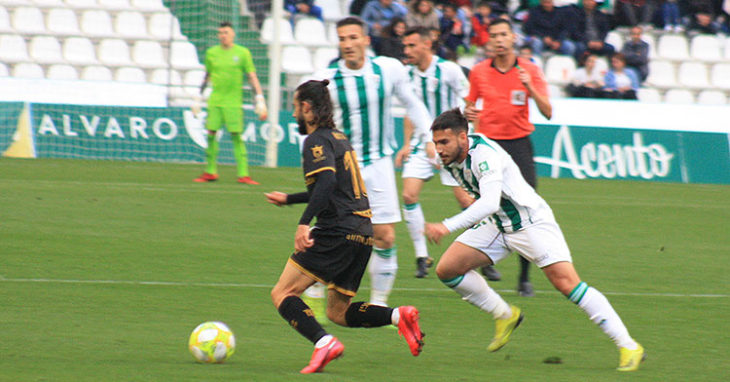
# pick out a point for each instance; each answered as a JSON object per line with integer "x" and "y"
{"x": 22, "y": 146}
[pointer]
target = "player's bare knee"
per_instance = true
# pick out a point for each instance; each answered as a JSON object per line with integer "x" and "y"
{"x": 445, "y": 271}
{"x": 336, "y": 316}
{"x": 385, "y": 240}
{"x": 410, "y": 197}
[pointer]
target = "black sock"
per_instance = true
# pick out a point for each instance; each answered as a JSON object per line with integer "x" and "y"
{"x": 364, "y": 315}
{"x": 301, "y": 318}
{"x": 524, "y": 269}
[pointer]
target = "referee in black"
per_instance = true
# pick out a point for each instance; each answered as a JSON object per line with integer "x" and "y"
{"x": 336, "y": 250}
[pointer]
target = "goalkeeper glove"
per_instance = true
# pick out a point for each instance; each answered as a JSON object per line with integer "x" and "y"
{"x": 260, "y": 108}
{"x": 195, "y": 107}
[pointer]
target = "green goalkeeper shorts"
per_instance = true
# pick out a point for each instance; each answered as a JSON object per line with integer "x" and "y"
{"x": 230, "y": 116}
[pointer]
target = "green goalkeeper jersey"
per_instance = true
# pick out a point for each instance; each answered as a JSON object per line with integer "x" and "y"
{"x": 226, "y": 68}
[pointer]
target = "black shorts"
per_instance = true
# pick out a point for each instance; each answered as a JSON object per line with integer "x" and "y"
{"x": 338, "y": 260}
{"x": 522, "y": 153}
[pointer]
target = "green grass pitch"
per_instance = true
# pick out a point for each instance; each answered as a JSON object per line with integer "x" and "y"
{"x": 106, "y": 267}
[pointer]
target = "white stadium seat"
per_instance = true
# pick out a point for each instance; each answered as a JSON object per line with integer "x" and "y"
{"x": 332, "y": 34}
{"x": 114, "y": 52}
{"x": 97, "y": 23}
{"x": 27, "y": 20}
{"x": 649, "y": 39}
{"x": 194, "y": 78}
{"x": 62, "y": 72}
{"x": 706, "y": 48}
{"x": 614, "y": 38}
{"x": 4, "y": 71}
{"x": 5, "y": 21}
{"x": 17, "y": 2}
{"x": 148, "y": 54}
{"x": 164, "y": 26}
{"x": 331, "y": 9}
{"x": 131, "y": 25}
{"x": 673, "y": 47}
{"x": 296, "y": 60}
{"x": 81, "y": 4}
{"x": 115, "y": 5}
{"x": 183, "y": 55}
{"x": 649, "y": 95}
{"x": 45, "y": 50}
{"x": 693, "y": 75}
{"x": 661, "y": 74}
{"x": 13, "y": 49}
{"x": 323, "y": 56}
{"x": 148, "y": 5}
{"x": 720, "y": 76}
{"x": 679, "y": 96}
{"x": 267, "y": 31}
{"x": 165, "y": 77}
{"x": 711, "y": 97}
{"x": 130, "y": 75}
{"x": 96, "y": 73}
{"x": 49, "y": 3}
{"x": 28, "y": 70}
{"x": 559, "y": 69}
{"x": 79, "y": 51}
{"x": 726, "y": 49}
{"x": 555, "y": 91}
{"x": 310, "y": 31}
{"x": 63, "y": 22}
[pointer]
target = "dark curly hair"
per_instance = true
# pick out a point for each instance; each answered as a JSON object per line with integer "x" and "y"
{"x": 316, "y": 94}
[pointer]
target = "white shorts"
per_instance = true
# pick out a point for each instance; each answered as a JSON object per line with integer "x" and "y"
{"x": 418, "y": 166}
{"x": 379, "y": 177}
{"x": 542, "y": 243}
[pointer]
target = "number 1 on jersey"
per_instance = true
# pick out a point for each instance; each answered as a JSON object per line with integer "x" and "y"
{"x": 358, "y": 185}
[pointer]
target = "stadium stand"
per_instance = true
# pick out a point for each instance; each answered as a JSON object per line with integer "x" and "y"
{"x": 62, "y": 72}
{"x": 45, "y": 50}
{"x": 711, "y": 97}
{"x": 678, "y": 96}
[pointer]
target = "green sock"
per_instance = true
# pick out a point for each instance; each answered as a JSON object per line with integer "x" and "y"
{"x": 239, "y": 152}
{"x": 211, "y": 155}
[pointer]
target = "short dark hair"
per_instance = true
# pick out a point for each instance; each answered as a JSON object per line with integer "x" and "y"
{"x": 316, "y": 94}
{"x": 419, "y": 30}
{"x": 500, "y": 20}
{"x": 526, "y": 46}
{"x": 451, "y": 119}
{"x": 353, "y": 20}
{"x": 225, "y": 24}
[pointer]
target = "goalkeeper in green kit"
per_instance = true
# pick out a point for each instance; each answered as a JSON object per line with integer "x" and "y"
{"x": 225, "y": 65}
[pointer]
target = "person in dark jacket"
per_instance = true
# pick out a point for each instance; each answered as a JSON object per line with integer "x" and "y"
{"x": 636, "y": 52}
{"x": 549, "y": 28}
{"x": 390, "y": 43}
{"x": 591, "y": 30}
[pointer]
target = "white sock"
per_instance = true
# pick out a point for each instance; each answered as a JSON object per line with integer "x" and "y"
{"x": 415, "y": 222}
{"x": 317, "y": 290}
{"x": 395, "y": 316}
{"x": 600, "y": 311}
{"x": 323, "y": 341}
{"x": 473, "y": 288}
{"x": 383, "y": 267}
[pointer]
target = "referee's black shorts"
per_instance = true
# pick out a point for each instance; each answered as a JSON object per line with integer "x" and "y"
{"x": 522, "y": 153}
{"x": 336, "y": 260}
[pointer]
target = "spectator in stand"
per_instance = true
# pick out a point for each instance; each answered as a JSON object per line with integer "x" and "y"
{"x": 421, "y": 13}
{"x": 702, "y": 18}
{"x": 390, "y": 43}
{"x": 480, "y": 24}
{"x": 357, "y": 6}
{"x": 437, "y": 46}
{"x": 587, "y": 80}
{"x": 636, "y": 53}
{"x": 591, "y": 30}
{"x": 670, "y": 16}
{"x": 634, "y": 12}
{"x": 621, "y": 82}
{"x": 525, "y": 52}
{"x": 549, "y": 28}
{"x": 452, "y": 30}
{"x": 302, "y": 7}
{"x": 378, "y": 13}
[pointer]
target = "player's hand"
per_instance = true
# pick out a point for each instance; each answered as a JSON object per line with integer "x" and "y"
{"x": 472, "y": 113}
{"x": 260, "y": 108}
{"x": 524, "y": 77}
{"x": 435, "y": 232}
{"x": 195, "y": 107}
{"x": 302, "y": 241}
{"x": 432, "y": 157}
{"x": 402, "y": 155}
{"x": 276, "y": 197}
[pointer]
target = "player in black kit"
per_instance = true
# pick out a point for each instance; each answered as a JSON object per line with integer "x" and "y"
{"x": 336, "y": 250}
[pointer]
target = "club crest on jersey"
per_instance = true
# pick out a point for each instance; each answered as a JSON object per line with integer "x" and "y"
{"x": 318, "y": 154}
{"x": 483, "y": 166}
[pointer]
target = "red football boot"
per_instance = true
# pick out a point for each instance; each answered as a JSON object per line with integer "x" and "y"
{"x": 206, "y": 177}
{"x": 322, "y": 356}
{"x": 408, "y": 328}
{"x": 247, "y": 180}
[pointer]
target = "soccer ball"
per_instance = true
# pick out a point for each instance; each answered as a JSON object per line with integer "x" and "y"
{"x": 212, "y": 342}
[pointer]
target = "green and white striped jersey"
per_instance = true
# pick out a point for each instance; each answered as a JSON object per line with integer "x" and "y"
{"x": 362, "y": 101}
{"x": 491, "y": 176}
{"x": 441, "y": 87}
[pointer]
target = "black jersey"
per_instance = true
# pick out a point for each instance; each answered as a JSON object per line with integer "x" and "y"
{"x": 348, "y": 209}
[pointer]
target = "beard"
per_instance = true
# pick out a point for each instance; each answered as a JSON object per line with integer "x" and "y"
{"x": 302, "y": 126}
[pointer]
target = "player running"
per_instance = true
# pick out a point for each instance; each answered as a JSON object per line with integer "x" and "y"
{"x": 440, "y": 85}
{"x": 337, "y": 249}
{"x": 362, "y": 90}
{"x": 507, "y": 216}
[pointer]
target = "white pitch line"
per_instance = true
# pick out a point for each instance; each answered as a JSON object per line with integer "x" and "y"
{"x": 266, "y": 286}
